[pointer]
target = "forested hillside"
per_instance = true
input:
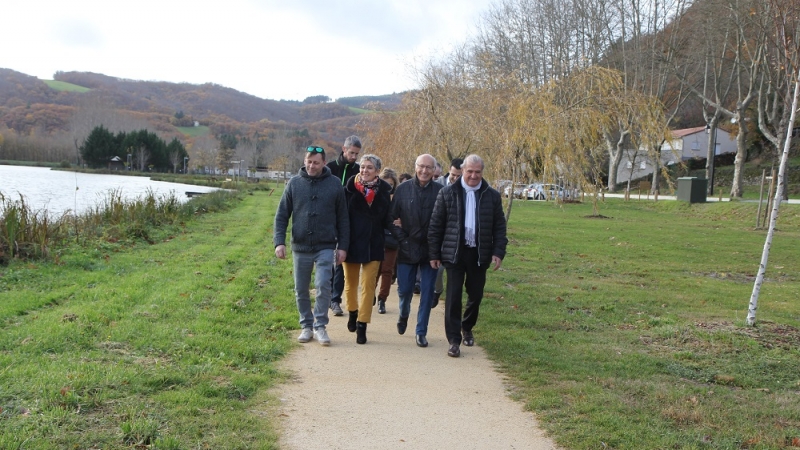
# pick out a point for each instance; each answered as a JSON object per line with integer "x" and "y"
{"x": 49, "y": 121}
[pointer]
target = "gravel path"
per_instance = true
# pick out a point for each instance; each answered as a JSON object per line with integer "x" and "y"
{"x": 391, "y": 394}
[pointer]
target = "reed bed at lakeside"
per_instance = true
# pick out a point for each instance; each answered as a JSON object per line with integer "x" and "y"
{"x": 622, "y": 332}
{"x": 32, "y": 234}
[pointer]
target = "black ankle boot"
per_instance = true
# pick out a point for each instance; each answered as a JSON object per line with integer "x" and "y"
{"x": 381, "y": 305}
{"x": 402, "y": 324}
{"x": 361, "y": 333}
{"x": 351, "y": 322}
{"x": 435, "y": 301}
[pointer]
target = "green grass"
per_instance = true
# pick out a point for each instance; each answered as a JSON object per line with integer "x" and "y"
{"x": 623, "y": 332}
{"x": 64, "y": 86}
{"x": 194, "y": 131}
{"x": 360, "y": 110}
{"x": 171, "y": 345}
{"x": 628, "y": 332}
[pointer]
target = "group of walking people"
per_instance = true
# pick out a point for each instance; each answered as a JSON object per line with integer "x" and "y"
{"x": 354, "y": 223}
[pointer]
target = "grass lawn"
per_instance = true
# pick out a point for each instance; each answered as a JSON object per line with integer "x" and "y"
{"x": 64, "y": 86}
{"x": 628, "y": 331}
{"x": 194, "y": 131}
{"x": 622, "y": 332}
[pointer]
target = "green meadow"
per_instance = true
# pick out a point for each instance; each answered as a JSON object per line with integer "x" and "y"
{"x": 64, "y": 86}
{"x": 193, "y": 131}
{"x": 622, "y": 331}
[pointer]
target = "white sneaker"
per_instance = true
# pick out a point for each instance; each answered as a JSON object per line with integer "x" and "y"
{"x": 305, "y": 335}
{"x": 322, "y": 336}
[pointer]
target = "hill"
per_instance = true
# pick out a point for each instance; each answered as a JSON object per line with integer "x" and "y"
{"x": 28, "y": 103}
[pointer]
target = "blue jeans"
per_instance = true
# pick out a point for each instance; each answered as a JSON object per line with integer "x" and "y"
{"x": 303, "y": 265}
{"x": 406, "y": 278}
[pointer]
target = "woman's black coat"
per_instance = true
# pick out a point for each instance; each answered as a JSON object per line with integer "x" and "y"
{"x": 367, "y": 223}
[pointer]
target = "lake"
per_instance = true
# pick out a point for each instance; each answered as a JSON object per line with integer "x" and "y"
{"x": 57, "y": 191}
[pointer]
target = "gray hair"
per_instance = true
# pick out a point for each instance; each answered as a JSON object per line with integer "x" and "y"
{"x": 373, "y": 159}
{"x": 472, "y": 159}
{"x": 352, "y": 141}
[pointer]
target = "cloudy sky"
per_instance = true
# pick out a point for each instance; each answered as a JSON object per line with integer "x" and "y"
{"x": 276, "y": 49}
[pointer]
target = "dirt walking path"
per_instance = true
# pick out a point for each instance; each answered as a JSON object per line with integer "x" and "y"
{"x": 391, "y": 394}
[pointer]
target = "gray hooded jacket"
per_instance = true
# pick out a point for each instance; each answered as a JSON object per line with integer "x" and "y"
{"x": 318, "y": 211}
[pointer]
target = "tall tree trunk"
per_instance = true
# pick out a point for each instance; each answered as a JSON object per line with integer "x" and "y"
{"x": 773, "y": 219}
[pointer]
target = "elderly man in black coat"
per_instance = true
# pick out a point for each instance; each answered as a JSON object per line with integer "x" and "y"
{"x": 467, "y": 233}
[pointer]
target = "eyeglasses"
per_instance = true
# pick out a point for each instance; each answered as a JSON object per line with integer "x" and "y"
{"x": 312, "y": 149}
{"x": 424, "y": 167}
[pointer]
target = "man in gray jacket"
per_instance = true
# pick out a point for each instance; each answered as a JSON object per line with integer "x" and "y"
{"x": 320, "y": 236}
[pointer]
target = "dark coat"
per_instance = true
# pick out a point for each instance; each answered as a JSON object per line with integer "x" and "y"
{"x": 342, "y": 170}
{"x": 367, "y": 223}
{"x": 413, "y": 205}
{"x": 316, "y": 206}
{"x": 446, "y": 231}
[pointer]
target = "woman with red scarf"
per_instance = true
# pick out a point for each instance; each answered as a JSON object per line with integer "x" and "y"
{"x": 368, "y": 204}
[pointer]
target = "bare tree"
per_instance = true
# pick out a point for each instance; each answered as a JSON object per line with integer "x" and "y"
{"x": 141, "y": 157}
{"x": 776, "y": 79}
{"x": 203, "y": 152}
{"x": 785, "y": 18}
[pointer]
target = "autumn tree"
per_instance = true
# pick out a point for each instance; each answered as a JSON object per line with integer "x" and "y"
{"x": 204, "y": 151}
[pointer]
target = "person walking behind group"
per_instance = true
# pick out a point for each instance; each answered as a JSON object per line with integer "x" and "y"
{"x": 315, "y": 202}
{"x": 413, "y": 204}
{"x": 368, "y": 201}
{"x": 342, "y": 168}
{"x": 388, "y": 265}
{"x": 467, "y": 233}
{"x": 452, "y": 177}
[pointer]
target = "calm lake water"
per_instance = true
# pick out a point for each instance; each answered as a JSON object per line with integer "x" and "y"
{"x": 57, "y": 191}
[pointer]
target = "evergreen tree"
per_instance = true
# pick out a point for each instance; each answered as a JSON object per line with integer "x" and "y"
{"x": 99, "y": 147}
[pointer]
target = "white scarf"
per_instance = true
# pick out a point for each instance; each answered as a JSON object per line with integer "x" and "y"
{"x": 469, "y": 213}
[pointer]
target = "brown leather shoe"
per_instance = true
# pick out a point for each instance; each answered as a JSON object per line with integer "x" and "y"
{"x": 454, "y": 351}
{"x": 468, "y": 338}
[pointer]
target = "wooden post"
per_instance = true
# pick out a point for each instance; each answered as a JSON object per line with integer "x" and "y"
{"x": 760, "y": 198}
{"x": 770, "y": 196}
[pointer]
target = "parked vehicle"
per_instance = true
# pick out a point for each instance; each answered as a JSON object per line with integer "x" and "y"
{"x": 544, "y": 191}
{"x": 517, "y": 191}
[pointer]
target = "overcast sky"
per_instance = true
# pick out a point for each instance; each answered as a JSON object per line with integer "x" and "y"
{"x": 276, "y": 49}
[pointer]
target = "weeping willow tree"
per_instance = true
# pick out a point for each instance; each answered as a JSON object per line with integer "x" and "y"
{"x": 548, "y": 133}
{"x": 443, "y": 118}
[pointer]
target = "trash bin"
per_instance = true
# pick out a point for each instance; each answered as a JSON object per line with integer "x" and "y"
{"x": 692, "y": 189}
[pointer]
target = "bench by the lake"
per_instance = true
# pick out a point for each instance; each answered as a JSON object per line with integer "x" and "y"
{"x": 191, "y": 194}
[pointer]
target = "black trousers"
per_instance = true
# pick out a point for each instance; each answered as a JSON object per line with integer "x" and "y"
{"x": 464, "y": 274}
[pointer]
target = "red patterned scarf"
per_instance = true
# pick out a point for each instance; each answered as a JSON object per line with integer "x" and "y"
{"x": 367, "y": 189}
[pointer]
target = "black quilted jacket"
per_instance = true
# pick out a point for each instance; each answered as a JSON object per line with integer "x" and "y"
{"x": 446, "y": 231}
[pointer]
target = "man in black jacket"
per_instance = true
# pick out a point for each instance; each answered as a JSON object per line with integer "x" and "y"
{"x": 467, "y": 233}
{"x": 342, "y": 168}
{"x": 413, "y": 204}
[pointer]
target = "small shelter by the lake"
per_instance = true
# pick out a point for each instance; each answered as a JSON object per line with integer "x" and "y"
{"x": 116, "y": 163}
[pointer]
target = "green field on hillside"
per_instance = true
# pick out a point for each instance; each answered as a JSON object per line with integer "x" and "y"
{"x": 194, "y": 131}
{"x": 359, "y": 110}
{"x": 64, "y": 86}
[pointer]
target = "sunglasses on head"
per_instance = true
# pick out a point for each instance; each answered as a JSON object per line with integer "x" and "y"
{"x": 312, "y": 149}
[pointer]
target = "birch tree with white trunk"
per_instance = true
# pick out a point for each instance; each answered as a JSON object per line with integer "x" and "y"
{"x": 786, "y": 19}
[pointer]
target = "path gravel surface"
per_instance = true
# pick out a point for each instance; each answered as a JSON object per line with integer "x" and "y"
{"x": 391, "y": 394}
